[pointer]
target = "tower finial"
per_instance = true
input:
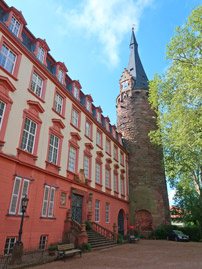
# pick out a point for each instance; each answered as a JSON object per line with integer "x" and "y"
{"x": 133, "y": 26}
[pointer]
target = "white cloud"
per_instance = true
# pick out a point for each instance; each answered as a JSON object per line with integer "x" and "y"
{"x": 171, "y": 196}
{"x": 107, "y": 20}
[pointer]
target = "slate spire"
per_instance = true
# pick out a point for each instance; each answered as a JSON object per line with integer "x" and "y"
{"x": 135, "y": 67}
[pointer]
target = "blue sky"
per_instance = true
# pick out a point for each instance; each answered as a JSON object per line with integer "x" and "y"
{"x": 92, "y": 38}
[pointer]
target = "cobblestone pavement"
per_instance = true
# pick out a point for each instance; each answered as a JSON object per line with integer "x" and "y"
{"x": 150, "y": 254}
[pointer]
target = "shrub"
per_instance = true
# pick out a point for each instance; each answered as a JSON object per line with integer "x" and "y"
{"x": 194, "y": 232}
{"x": 88, "y": 225}
{"x": 52, "y": 247}
{"x": 161, "y": 232}
{"x": 86, "y": 246}
{"x": 120, "y": 239}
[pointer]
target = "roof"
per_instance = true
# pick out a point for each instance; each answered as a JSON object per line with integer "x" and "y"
{"x": 135, "y": 67}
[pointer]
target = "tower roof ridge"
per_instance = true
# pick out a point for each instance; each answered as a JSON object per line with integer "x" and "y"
{"x": 135, "y": 67}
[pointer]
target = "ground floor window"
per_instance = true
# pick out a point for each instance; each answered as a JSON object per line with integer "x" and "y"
{"x": 97, "y": 210}
{"x": 107, "y": 213}
{"x": 43, "y": 240}
{"x": 10, "y": 242}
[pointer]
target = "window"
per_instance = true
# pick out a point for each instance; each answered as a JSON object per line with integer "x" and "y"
{"x": 88, "y": 129}
{"x": 75, "y": 118}
{"x": 88, "y": 105}
{"x": 115, "y": 182}
{"x": 86, "y": 166}
{"x": 10, "y": 242}
{"x": 58, "y": 103}
{"x": 98, "y": 116}
{"x": 121, "y": 158}
{"x": 7, "y": 59}
{"x": 60, "y": 75}
{"x": 72, "y": 159}
{"x": 53, "y": 149}
{"x": 40, "y": 54}
{"x": 108, "y": 150}
{"x": 16, "y": 194}
{"x": 115, "y": 153}
{"x": 76, "y": 92}
{"x": 28, "y": 136}
{"x": 122, "y": 187}
{"x": 107, "y": 213}
{"x": 99, "y": 139}
{"x": 107, "y": 126}
{"x": 107, "y": 172}
{"x": 14, "y": 26}
{"x": 42, "y": 243}
{"x": 114, "y": 133}
{"x": 37, "y": 84}
{"x": 48, "y": 202}
{"x": 97, "y": 210}
{"x": 98, "y": 173}
{"x": 2, "y": 110}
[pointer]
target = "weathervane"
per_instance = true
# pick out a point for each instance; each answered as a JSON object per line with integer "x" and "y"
{"x": 133, "y": 25}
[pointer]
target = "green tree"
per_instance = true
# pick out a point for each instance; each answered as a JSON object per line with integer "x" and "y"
{"x": 176, "y": 97}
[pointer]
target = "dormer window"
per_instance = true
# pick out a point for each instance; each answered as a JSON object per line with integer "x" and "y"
{"x": 14, "y": 26}
{"x": 40, "y": 54}
{"x": 98, "y": 116}
{"x": 88, "y": 105}
{"x": 60, "y": 75}
{"x": 76, "y": 92}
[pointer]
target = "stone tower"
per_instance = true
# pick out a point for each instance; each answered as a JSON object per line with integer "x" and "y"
{"x": 149, "y": 207}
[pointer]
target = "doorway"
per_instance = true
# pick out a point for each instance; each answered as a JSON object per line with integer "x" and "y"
{"x": 77, "y": 208}
{"x": 121, "y": 222}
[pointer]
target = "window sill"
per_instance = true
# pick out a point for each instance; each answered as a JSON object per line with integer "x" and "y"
{"x": 122, "y": 196}
{"x": 109, "y": 154}
{"x": 48, "y": 218}
{"x": 39, "y": 98}
{"x": 98, "y": 184}
{"x": 116, "y": 192}
{"x": 99, "y": 146}
{"x": 75, "y": 127}
{"x": 8, "y": 73}
{"x": 116, "y": 160}
{"x": 26, "y": 156}
{"x": 18, "y": 216}
{"x": 58, "y": 114}
{"x": 108, "y": 188}
{"x": 52, "y": 167}
{"x": 89, "y": 138}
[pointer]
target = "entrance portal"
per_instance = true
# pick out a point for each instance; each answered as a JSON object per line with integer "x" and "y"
{"x": 77, "y": 208}
{"x": 121, "y": 222}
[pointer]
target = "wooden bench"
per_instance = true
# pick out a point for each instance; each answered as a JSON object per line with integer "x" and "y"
{"x": 67, "y": 250}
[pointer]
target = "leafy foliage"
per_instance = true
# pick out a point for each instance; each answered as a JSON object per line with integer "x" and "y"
{"x": 176, "y": 97}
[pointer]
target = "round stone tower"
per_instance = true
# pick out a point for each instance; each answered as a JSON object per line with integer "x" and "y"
{"x": 149, "y": 207}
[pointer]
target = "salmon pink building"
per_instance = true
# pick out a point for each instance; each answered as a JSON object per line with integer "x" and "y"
{"x": 60, "y": 150}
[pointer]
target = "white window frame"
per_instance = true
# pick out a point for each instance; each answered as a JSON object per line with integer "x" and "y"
{"x": 87, "y": 166}
{"x": 9, "y": 248}
{"x": 51, "y": 202}
{"x": 88, "y": 129}
{"x": 53, "y": 149}
{"x": 36, "y": 84}
{"x": 115, "y": 182}
{"x": 42, "y": 242}
{"x": 40, "y": 54}
{"x": 98, "y": 116}
{"x": 107, "y": 212}
{"x": 115, "y": 153}
{"x": 14, "y": 26}
{"x": 24, "y": 192}
{"x": 107, "y": 146}
{"x": 98, "y": 173}
{"x": 15, "y": 195}
{"x": 122, "y": 186}
{"x": 72, "y": 159}
{"x": 60, "y": 75}
{"x": 5, "y": 60}
{"x": 88, "y": 105}
{"x": 45, "y": 201}
{"x": 2, "y": 112}
{"x": 75, "y": 118}
{"x": 28, "y": 136}
{"x": 99, "y": 139}
{"x": 58, "y": 104}
{"x": 107, "y": 177}
{"x": 97, "y": 210}
{"x": 76, "y": 92}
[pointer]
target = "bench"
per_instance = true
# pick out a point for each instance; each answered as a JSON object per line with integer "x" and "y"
{"x": 67, "y": 250}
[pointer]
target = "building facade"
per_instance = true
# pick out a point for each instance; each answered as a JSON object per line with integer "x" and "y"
{"x": 56, "y": 147}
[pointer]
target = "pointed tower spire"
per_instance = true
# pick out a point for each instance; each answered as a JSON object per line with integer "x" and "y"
{"x": 135, "y": 67}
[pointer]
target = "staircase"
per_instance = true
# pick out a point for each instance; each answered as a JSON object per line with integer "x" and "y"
{"x": 98, "y": 241}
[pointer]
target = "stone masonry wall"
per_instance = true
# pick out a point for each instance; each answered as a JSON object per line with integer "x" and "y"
{"x": 147, "y": 184}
